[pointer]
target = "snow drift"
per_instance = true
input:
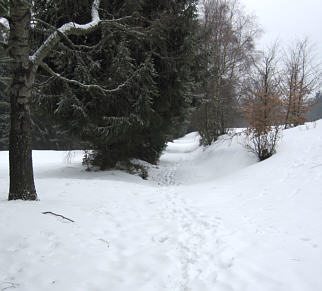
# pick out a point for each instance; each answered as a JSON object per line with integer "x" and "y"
{"x": 208, "y": 219}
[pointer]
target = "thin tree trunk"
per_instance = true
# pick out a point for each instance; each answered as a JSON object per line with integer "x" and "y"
{"x": 20, "y": 155}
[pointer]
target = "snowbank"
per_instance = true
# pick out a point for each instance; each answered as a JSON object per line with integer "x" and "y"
{"x": 208, "y": 219}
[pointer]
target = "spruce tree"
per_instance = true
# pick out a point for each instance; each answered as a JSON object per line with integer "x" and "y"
{"x": 150, "y": 54}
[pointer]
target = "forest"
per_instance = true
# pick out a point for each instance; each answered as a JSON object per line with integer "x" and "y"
{"x": 119, "y": 79}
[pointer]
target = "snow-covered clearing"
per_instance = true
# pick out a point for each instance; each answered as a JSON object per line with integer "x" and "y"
{"x": 213, "y": 220}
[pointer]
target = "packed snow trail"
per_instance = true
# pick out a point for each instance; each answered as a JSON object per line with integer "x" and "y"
{"x": 196, "y": 243}
{"x": 192, "y": 249}
{"x": 209, "y": 219}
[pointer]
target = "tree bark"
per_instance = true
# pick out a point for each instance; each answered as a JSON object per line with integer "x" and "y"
{"x": 20, "y": 155}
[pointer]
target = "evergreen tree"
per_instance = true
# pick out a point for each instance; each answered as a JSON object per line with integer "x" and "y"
{"x": 150, "y": 55}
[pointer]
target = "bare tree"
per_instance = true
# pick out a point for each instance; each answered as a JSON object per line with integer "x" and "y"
{"x": 301, "y": 80}
{"x": 228, "y": 41}
{"x": 23, "y": 68}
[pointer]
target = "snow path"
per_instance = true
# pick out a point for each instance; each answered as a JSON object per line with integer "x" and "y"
{"x": 196, "y": 245}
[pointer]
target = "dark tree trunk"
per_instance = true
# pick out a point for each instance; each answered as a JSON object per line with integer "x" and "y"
{"x": 20, "y": 155}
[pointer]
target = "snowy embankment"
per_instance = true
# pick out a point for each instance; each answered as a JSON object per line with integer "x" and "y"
{"x": 206, "y": 220}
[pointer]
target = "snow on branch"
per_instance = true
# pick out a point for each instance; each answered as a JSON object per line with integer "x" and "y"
{"x": 71, "y": 28}
{"x": 67, "y": 29}
{"x": 64, "y": 36}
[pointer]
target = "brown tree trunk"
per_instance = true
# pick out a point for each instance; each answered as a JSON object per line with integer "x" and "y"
{"x": 20, "y": 155}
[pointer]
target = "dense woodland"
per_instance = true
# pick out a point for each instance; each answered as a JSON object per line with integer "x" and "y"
{"x": 143, "y": 73}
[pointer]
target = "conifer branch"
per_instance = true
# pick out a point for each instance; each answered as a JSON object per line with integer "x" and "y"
{"x": 4, "y": 45}
{"x": 127, "y": 29}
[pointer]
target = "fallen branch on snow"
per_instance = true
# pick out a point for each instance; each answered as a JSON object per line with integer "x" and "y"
{"x": 62, "y": 216}
{"x": 316, "y": 166}
{"x": 9, "y": 285}
{"x": 104, "y": 241}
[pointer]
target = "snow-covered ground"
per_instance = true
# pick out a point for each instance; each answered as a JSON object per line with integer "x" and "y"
{"x": 207, "y": 220}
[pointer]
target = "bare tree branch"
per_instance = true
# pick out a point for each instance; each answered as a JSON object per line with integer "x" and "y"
{"x": 65, "y": 37}
{"x": 46, "y": 82}
{"x": 71, "y": 28}
{"x": 67, "y": 29}
{"x": 125, "y": 28}
{"x": 87, "y": 86}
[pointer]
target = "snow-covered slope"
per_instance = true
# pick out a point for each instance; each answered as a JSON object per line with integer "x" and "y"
{"x": 207, "y": 220}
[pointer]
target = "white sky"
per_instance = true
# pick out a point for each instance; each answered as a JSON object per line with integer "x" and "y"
{"x": 288, "y": 20}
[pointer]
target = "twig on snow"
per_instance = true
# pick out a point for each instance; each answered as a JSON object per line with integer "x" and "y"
{"x": 62, "y": 216}
{"x": 10, "y": 285}
{"x": 316, "y": 166}
{"x": 104, "y": 241}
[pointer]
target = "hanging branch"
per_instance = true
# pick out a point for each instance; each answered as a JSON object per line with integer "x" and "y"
{"x": 88, "y": 86}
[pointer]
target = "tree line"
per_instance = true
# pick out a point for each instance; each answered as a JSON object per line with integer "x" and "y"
{"x": 121, "y": 78}
{"x": 264, "y": 91}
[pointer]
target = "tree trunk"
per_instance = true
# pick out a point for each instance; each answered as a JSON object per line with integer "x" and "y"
{"x": 20, "y": 155}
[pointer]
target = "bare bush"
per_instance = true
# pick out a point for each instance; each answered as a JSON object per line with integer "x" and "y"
{"x": 262, "y": 107}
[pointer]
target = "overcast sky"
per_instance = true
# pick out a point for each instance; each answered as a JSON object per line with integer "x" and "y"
{"x": 288, "y": 20}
